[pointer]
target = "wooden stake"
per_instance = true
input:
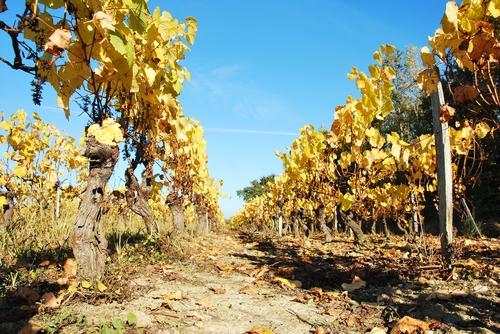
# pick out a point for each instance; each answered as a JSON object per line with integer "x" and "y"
{"x": 444, "y": 175}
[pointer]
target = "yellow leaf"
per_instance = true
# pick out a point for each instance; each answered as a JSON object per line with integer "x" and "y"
{"x": 291, "y": 284}
{"x": 346, "y": 201}
{"x": 73, "y": 287}
{"x": 6, "y": 126}
{"x": 3, "y": 201}
{"x": 86, "y": 284}
{"x": 374, "y": 137}
{"x": 101, "y": 287}
{"x": 450, "y": 18}
{"x": 20, "y": 171}
{"x": 482, "y": 129}
{"x": 150, "y": 75}
{"x": 427, "y": 57}
{"x": 388, "y": 49}
{"x": 494, "y": 9}
{"x": 108, "y": 134}
{"x": 58, "y": 41}
{"x": 104, "y": 21}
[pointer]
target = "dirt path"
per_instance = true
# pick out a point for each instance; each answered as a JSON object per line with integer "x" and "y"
{"x": 209, "y": 294}
{"x": 228, "y": 284}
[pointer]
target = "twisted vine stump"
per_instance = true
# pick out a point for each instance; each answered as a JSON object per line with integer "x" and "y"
{"x": 89, "y": 242}
{"x": 175, "y": 205}
{"x": 137, "y": 196}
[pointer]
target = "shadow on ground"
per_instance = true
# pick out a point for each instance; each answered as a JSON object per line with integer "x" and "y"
{"x": 391, "y": 281}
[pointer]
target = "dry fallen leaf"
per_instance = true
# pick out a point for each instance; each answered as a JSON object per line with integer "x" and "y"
{"x": 49, "y": 300}
{"x": 177, "y": 295}
{"x": 70, "y": 267}
{"x": 30, "y": 328}
{"x": 44, "y": 263}
{"x": 408, "y": 325}
{"x": 320, "y": 330}
{"x": 357, "y": 283}
{"x": 205, "y": 302}
{"x": 218, "y": 291}
{"x": 248, "y": 290}
{"x": 259, "y": 272}
{"x": 63, "y": 281}
{"x": 285, "y": 283}
{"x": 30, "y": 295}
{"x": 224, "y": 268}
{"x": 259, "y": 330}
{"x": 446, "y": 295}
{"x": 377, "y": 330}
{"x": 302, "y": 298}
{"x": 447, "y": 113}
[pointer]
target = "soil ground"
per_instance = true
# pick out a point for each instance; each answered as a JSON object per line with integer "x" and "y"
{"x": 236, "y": 283}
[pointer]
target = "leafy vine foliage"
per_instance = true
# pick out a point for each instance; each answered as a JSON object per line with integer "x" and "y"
{"x": 362, "y": 171}
{"x": 120, "y": 62}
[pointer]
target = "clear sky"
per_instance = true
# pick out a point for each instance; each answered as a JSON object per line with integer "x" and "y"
{"x": 260, "y": 70}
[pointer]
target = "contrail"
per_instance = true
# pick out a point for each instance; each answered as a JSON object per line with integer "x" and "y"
{"x": 224, "y": 130}
{"x": 261, "y": 132}
{"x": 49, "y": 107}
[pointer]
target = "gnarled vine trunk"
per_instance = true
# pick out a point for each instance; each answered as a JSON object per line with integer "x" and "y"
{"x": 322, "y": 223}
{"x": 175, "y": 205}
{"x": 355, "y": 228}
{"x": 8, "y": 211}
{"x": 203, "y": 227}
{"x": 137, "y": 195}
{"x": 89, "y": 242}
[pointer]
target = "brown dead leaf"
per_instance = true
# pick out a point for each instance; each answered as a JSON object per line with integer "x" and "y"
{"x": 44, "y": 263}
{"x": 168, "y": 305}
{"x": 177, "y": 295}
{"x": 408, "y": 325}
{"x": 469, "y": 263}
{"x": 30, "y": 295}
{"x": 331, "y": 310}
{"x": 3, "y": 6}
{"x": 248, "y": 290}
{"x": 30, "y": 328}
{"x": 259, "y": 330}
{"x": 320, "y": 330}
{"x": 259, "y": 272}
{"x": 63, "y": 281}
{"x": 316, "y": 291}
{"x": 205, "y": 302}
{"x": 261, "y": 282}
{"x": 70, "y": 267}
{"x": 286, "y": 271}
{"x": 466, "y": 93}
{"x": 218, "y": 291}
{"x": 447, "y": 113}
{"x": 446, "y": 295}
{"x": 224, "y": 268}
{"x": 49, "y": 300}
{"x": 302, "y": 298}
{"x": 357, "y": 283}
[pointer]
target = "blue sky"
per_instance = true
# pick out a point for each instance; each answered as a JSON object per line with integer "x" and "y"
{"x": 266, "y": 67}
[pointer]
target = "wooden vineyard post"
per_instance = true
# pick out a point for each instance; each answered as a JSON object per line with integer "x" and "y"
{"x": 280, "y": 225}
{"x": 444, "y": 175}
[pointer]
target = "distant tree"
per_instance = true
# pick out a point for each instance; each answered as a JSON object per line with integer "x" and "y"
{"x": 256, "y": 188}
{"x": 412, "y": 112}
